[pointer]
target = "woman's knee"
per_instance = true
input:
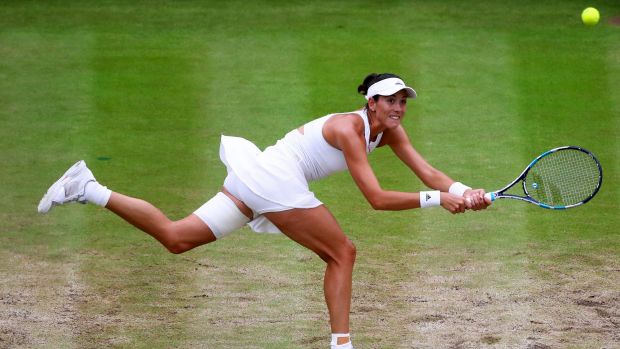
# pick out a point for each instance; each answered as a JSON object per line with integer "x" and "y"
{"x": 343, "y": 254}
{"x": 186, "y": 234}
{"x": 177, "y": 248}
{"x": 171, "y": 239}
{"x": 351, "y": 250}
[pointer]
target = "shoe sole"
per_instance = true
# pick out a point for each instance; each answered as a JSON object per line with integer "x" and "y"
{"x": 46, "y": 202}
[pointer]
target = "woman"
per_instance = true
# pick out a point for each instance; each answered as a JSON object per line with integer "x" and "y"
{"x": 269, "y": 190}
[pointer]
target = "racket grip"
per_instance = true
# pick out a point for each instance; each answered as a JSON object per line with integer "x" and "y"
{"x": 491, "y": 196}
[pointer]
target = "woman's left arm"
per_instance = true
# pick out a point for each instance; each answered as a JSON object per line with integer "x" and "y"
{"x": 398, "y": 140}
{"x": 433, "y": 178}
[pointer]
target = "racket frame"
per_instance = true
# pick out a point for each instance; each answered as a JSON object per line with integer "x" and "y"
{"x": 499, "y": 194}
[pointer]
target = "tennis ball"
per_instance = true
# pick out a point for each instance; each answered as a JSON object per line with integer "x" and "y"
{"x": 590, "y": 16}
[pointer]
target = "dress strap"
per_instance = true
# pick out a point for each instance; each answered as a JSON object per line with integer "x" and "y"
{"x": 370, "y": 146}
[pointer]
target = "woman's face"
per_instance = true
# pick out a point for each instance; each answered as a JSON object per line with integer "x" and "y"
{"x": 390, "y": 110}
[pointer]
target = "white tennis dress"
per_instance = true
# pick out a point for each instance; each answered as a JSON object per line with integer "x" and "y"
{"x": 279, "y": 175}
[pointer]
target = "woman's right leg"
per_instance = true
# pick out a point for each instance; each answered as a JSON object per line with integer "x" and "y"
{"x": 177, "y": 236}
{"x": 185, "y": 234}
{"x": 219, "y": 216}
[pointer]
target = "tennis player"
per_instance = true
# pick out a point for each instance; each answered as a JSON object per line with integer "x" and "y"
{"x": 268, "y": 190}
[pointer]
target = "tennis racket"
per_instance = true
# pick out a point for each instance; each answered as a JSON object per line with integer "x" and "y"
{"x": 560, "y": 178}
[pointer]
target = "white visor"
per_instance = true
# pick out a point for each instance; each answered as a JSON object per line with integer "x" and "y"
{"x": 388, "y": 87}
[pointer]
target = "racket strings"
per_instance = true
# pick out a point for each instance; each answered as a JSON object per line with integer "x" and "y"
{"x": 563, "y": 178}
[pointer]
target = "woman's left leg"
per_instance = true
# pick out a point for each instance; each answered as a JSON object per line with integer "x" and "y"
{"x": 317, "y": 229}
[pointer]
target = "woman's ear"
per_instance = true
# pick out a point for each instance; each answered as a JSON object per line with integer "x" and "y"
{"x": 372, "y": 105}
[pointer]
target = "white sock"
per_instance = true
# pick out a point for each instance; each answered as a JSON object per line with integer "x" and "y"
{"x": 335, "y": 345}
{"x": 97, "y": 193}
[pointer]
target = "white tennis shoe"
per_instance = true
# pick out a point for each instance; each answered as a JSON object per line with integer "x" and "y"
{"x": 69, "y": 188}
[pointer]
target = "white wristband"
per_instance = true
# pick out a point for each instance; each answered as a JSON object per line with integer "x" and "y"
{"x": 458, "y": 189}
{"x": 430, "y": 198}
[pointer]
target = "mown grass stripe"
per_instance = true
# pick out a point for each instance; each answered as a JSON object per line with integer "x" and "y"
{"x": 564, "y": 99}
{"x": 45, "y": 101}
{"x": 147, "y": 122}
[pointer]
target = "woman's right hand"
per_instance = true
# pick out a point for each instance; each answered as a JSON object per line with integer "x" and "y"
{"x": 454, "y": 204}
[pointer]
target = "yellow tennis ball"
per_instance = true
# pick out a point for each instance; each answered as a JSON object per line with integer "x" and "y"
{"x": 590, "y": 16}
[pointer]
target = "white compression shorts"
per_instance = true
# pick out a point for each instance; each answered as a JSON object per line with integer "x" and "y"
{"x": 221, "y": 215}
{"x": 256, "y": 203}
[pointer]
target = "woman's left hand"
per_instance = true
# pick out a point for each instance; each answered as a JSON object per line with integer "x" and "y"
{"x": 475, "y": 200}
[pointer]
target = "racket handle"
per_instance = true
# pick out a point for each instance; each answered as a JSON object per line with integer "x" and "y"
{"x": 491, "y": 196}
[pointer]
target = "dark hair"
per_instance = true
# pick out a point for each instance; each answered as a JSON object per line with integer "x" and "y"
{"x": 372, "y": 79}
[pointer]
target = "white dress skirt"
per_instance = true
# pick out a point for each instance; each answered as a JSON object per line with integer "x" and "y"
{"x": 276, "y": 179}
{"x": 267, "y": 181}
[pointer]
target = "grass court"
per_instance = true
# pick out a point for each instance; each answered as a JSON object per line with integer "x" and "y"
{"x": 142, "y": 90}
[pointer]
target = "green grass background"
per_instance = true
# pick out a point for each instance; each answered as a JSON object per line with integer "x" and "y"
{"x": 142, "y": 90}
